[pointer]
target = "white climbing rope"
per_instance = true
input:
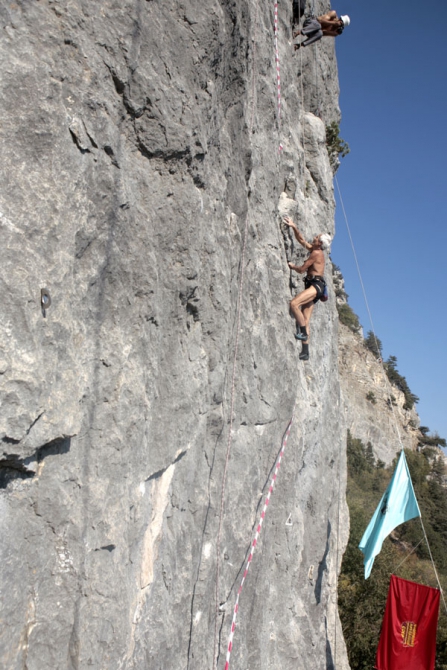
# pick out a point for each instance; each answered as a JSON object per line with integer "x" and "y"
{"x": 278, "y": 74}
{"x": 233, "y": 376}
{"x": 238, "y": 319}
{"x": 388, "y": 383}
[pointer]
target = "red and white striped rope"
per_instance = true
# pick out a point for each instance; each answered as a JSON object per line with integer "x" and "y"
{"x": 238, "y": 322}
{"x": 233, "y": 375}
{"x": 278, "y": 72}
{"x": 255, "y": 542}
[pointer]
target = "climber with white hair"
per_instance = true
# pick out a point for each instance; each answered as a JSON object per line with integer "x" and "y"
{"x": 303, "y": 304}
{"x": 327, "y": 25}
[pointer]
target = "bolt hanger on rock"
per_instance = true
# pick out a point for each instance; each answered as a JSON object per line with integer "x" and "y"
{"x": 45, "y": 300}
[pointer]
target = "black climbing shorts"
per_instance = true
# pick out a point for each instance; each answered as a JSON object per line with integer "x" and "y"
{"x": 318, "y": 282}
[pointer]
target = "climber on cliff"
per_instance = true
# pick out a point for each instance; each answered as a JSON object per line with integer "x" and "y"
{"x": 327, "y": 25}
{"x": 314, "y": 284}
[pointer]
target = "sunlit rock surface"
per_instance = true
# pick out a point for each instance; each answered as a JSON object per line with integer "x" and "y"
{"x": 140, "y": 157}
{"x": 374, "y": 408}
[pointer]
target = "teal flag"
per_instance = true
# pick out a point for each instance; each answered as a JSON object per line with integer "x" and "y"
{"x": 398, "y": 504}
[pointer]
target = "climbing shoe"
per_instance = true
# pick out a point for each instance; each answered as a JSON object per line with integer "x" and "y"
{"x": 301, "y": 333}
{"x": 304, "y": 355}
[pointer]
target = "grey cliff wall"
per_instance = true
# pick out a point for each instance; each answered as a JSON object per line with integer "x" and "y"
{"x": 138, "y": 139}
{"x": 374, "y": 408}
{"x": 384, "y": 423}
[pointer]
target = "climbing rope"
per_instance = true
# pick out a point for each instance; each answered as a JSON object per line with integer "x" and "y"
{"x": 303, "y": 162}
{"x": 238, "y": 321}
{"x": 317, "y": 88}
{"x": 233, "y": 375}
{"x": 230, "y": 437}
{"x": 387, "y": 381}
{"x": 278, "y": 74}
{"x": 255, "y": 540}
{"x": 433, "y": 563}
{"x": 302, "y": 173}
{"x": 287, "y": 433}
{"x": 337, "y": 552}
{"x": 408, "y": 555}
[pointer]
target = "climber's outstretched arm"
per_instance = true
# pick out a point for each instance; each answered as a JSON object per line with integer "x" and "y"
{"x": 288, "y": 221}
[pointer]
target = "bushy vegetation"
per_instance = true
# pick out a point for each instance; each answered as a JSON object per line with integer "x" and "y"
{"x": 338, "y": 282}
{"x": 398, "y": 380}
{"x": 426, "y": 440}
{"x": 348, "y": 317}
{"x": 336, "y": 146}
{"x": 373, "y": 343}
{"x": 362, "y": 602}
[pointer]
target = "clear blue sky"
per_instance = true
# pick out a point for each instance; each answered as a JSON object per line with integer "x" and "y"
{"x": 392, "y": 63}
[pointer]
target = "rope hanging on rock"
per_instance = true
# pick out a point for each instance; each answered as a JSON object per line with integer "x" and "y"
{"x": 233, "y": 375}
{"x": 255, "y": 541}
{"x": 238, "y": 321}
{"x": 385, "y": 376}
{"x": 278, "y": 74}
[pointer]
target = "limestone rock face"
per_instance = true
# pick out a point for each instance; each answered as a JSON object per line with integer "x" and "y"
{"x": 371, "y": 413}
{"x": 143, "y": 410}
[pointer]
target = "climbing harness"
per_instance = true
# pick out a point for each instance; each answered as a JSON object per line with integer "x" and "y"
{"x": 255, "y": 540}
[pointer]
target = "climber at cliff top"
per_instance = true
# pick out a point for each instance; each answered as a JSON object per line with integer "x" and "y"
{"x": 314, "y": 285}
{"x": 327, "y": 25}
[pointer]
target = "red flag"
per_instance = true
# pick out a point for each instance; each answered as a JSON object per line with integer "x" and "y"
{"x": 408, "y": 637}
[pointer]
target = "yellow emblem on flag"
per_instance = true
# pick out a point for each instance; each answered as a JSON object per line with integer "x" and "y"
{"x": 408, "y": 631}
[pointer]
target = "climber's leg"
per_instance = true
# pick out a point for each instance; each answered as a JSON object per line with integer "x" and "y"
{"x": 302, "y": 299}
{"x": 298, "y": 306}
{"x": 306, "y": 314}
{"x": 304, "y": 355}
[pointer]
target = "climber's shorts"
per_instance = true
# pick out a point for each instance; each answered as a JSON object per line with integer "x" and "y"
{"x": 318, "y": 283}
{"x": 312, "y": 30}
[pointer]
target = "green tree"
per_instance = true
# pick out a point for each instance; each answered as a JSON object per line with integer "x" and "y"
{"x": 398, "y": 380}
{"x": 426, "y": 440}
{"x": 369, "y": 455}
{"x": 362, "y": 602}
{"x": 336, "y": 146}
{"x": 373, "y": 343}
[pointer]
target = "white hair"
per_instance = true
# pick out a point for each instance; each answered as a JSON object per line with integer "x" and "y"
{"x": 325, "y": 240}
